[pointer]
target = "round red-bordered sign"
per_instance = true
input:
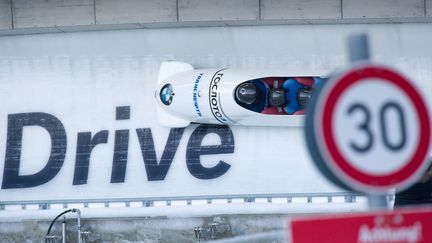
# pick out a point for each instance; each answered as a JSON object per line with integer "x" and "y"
{"x": 359, "y": 151}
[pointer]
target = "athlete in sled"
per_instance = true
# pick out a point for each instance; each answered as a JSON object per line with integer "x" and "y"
{"x": 276, "y": 95}
{"x": 186, "y": 95}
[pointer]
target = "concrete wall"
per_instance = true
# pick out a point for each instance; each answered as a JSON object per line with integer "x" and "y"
{"x": 5, "y": 15}
{"x": 383, "y": 8}
{"x": 300, "y": 9}
{"x": 39, "y": 16}
{"x": 135, "y": 11}
{"x": 51, "y": 13}
{"x": 428, "y": 6}
{"x": 210, "y": 10}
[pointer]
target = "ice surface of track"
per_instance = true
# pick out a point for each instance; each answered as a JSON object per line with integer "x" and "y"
{"x": 82, "y": 77}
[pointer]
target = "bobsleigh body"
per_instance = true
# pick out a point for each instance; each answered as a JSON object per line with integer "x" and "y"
{"x": 186, "y": 95}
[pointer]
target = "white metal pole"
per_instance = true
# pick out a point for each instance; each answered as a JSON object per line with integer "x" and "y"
{"x": 359, "y": 51}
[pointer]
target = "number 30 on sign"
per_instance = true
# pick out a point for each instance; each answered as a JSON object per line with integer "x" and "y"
{"x": 369, "y": 130}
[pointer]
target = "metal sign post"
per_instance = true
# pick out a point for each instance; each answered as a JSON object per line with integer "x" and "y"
{"x": 358, "y": 47}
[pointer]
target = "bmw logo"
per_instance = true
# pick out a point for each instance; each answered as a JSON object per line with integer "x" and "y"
{"x": 166, "y": 94}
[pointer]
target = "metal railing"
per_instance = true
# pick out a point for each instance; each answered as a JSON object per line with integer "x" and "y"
{"x": 346, "y": 197}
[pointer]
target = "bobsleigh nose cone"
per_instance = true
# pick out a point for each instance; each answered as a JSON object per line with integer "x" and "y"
{"x": 166, "y": 94}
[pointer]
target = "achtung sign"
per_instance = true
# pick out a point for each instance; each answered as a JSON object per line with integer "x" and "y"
{"x": 412, "y": 225}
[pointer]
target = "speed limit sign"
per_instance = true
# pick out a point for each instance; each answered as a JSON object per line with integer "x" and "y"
{"x": 369, "y": 130}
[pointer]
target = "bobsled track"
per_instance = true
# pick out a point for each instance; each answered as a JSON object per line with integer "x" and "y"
{"x": 59, "y": 90}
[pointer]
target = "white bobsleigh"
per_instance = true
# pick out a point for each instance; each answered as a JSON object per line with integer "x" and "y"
{"x": 186, "y": 95}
